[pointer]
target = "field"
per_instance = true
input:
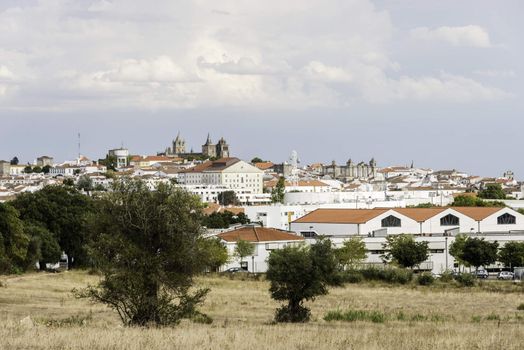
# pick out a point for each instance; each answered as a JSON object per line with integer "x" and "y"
{"x": 409, "y": 317}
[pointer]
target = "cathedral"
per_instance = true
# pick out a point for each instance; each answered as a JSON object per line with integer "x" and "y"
{"x": 351, "y": 171}
{"x": 209, "y": 149}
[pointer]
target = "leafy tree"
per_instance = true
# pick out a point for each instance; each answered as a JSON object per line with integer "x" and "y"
{"x": 14, "y": 242}
{"x": 324, "y": 258}
{"x": 277, "y": 194}
{"x": 45, "y": 247}
{"x": 63, "y": 211}
{"x": 228, "y": 198}
{"x": 224, "y": 219}
{"x": 69, "y": 182}
{"x": 423, "y": 205}
{"x": 46, "y": 169}
{"x": 244, "y": 249}
{"x": 148, "y": 246}
{"x": 256, "y": 160}
{"x": 37, "y": 169}
{"x": 28, "y": 169}
{"x": 85, "y": 183}
{"x": 478, "y": 252}
{"x": 215, "y": 252}
{"x": 110, "y": 162}
{"x": 352, "y": 252}
{"x": 14, "y": 161}
{"x": 471, "y": 201}
{"x": 405, "y": 251}
{"x": 296, "y": 276}
{"x": 492, "y": 191}
{"x": 456, "y": 249}
{"x": 512, "y": 254}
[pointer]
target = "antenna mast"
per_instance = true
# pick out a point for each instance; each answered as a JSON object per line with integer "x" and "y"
{"x": 79, "y": 146}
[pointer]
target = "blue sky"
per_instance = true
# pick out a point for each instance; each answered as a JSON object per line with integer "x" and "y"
{"x": 436, "y": 82}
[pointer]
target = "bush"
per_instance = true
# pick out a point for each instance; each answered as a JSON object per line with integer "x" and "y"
{"x": 521, "y": 307}
{"x": 466, "y": 279}
{"x": 446, "y": 276}
{"x": 199, "y": 317}
{"x": 356, "y": 315}
{"x": 288, "y": 314}
{"x": 389, "y": 275}
{"x": 353, "y": 277}
{"x": 425, "y": 279}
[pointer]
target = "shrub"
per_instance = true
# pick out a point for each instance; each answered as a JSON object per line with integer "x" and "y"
{"x": 353, "y": 277}
{"x": 425, "y": 279}
{"x": 465, "y": 279}
{"x": 356, "y": 315}
{"x": 521, "y": 307}
{"x": 446, "y": 276}
{"x": 390, "y": 275}
{"x": 201, "y": 318}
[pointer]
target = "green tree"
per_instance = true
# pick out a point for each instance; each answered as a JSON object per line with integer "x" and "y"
{"x": 456, "y": 249}
{"x": 296, "y": 276}
{"x": 478, "y": 252}
{"x": 512, "y": 254}
{"x": 46, "y": 169}
{"x": 37, "y": 169}
{"x": 147, "y": 244}
{"x": 85, "y": 183}
{"x": 405, "y": 251}
{"x": 277, "y": 194}
{"x": 110, "y": 162}
{"x": 28, "y": 169}
{"x": 45, "y": 247}
{"x": 227, "y": 198}
{"x": 14, "y": 161}
{"x": 63, "y": 211}
{"x": 471, "y": 201}
{"x": 256, "y": 160}
{"x": 215, "y": 252}
{"x": 243, "y": 249}
{"x": 224, "y": 219}
{"x": 14, "y": 242}
{"x": 352, "y": 252}
{"x": 492, "y": 191}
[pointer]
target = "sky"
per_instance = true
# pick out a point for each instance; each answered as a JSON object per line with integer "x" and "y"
{"x": 438, "y": 83}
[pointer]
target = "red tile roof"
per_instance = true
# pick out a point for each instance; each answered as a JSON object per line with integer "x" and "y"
{"x": 259, "y": 234}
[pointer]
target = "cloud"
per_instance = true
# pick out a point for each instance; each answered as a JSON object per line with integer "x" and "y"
{"x": 318, "y": 71}
{"x": 446, "y": 87}
{"x": 493, "y": 73}
{"x": 471, "y": 35}
{"x": 244, "y": 65}
{"x": 161, "y": 69}
{"x": 282, "y": 54}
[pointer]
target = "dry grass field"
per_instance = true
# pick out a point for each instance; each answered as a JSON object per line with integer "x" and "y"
{"x": 416, "y": 318}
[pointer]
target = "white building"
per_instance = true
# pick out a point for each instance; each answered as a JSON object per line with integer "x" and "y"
{"x": 232, "y": 173}
{"x": 121, "y": 155}
{"x": 265, "y": 241}
{"x": 437, "y": 226}
{"x": 209, "y": 194}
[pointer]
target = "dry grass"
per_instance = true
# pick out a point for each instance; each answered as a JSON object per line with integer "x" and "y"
{"x": 242, "y": 313}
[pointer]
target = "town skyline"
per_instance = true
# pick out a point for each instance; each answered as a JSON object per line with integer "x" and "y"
{"x": 438, "y": 84}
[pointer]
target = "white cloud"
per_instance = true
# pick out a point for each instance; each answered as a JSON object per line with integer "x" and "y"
{"x": 161, "y": 69}
{"x": 471, "y": 35}
{"x": 318, "y": 71}
{"x": 283, "y": 54}
{"x": 5, "y": 73}
{"x": 494, "y": 73}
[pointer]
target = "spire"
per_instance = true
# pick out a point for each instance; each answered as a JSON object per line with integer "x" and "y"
{"x": 412, "y": 165}
{"x": 208, "y": 141}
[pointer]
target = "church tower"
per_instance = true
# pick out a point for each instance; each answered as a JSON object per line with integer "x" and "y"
{"x": 179, "y": 145}
{"x": 222, "y": 149}
{"x": 208, "y": 148}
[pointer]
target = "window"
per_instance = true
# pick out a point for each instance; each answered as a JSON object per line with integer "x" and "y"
{"x": 308, "y": 234}
{"x": 506, "y": 219}
{"x": 391, "y": 221}
{"x": 449, "y": 220}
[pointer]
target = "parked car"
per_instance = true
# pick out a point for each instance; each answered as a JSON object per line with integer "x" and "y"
{"x": 235, "y": 270}
{"x": 481, "y": 274}
{"x": 505, "y": 275}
